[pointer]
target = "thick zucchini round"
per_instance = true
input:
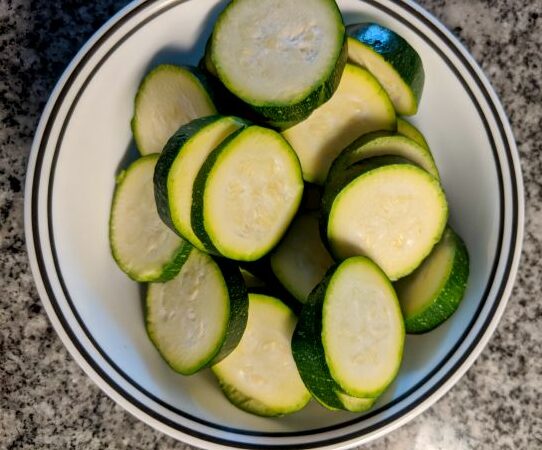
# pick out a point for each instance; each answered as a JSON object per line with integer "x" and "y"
{"x": 359, "y": 106}
{"x": 392, "y": 60}
{"x": 179, "y": 164}
{"x": 168, "y": 97}
{"x": 197, "y": 319}
{"x": 349, "y": 340}
{"x": 433, "y": 292}
{"x": 246, "y": 194}
{"x": 281, "y": 57}
{"x": 142, "y": 246}
{"x": 260, "y": 375}
{"x": 394, "y": 214}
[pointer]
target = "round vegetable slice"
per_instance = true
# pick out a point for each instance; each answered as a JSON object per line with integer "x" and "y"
{"x": 392, "y": 60}
{"x": 362, "y": 328}
{"x": 179, "y": 164}
{"x": 405, "y": 128}
{"x": 394, "y": 214}
{"x": 300, "y": 261}
{"x": 359, "y": 106}
{"x": 348, "y": 342}
{"x": 142, "y": 246}
{"x": 246, "y": 194}
{"x": 281, "y": 57}
{"x": 260, "y": 375}
{"x": 168, "y": 97}
{"x": 433, "y": 292}
{"x": 197, "y": 319}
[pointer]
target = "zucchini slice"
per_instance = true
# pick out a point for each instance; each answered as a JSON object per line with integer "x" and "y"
{"x": 300, "y": 261}
{"x": 362, "y": 328}
{"x": 405, "y": 128}
{"x": 246, "y": 194}
{"x": 359, "y": 106}
{"x": 168, "y": 97}
{"x": 433, "y": 292}
{"x": 394, "y": 214}
{"x": 260, "y": 375}
{"x": 142, "y": 246}
{"x": 179, "y": 164}
{"x": 391, "y": 60}
{"x": 385, "y": 144}
{"x": 348, "y": 343}
{"x": 197, "y": 319}
{"x": 281, "y": 57}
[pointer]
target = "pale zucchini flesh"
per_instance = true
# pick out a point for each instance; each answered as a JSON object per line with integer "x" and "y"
{"x": 260, "y": 375}
{"x": 141, "y": 244}
{"x": 301, "y": 260}
{"x": 198, "y": 317}
{"x": 168, "y": 97}
{"x": 360, "y": 105}
{"x": 246, "y": 194}
{"x": 433, "y": 292}
{"x": 362, "y": 328}
{"x": 279, "y": 56}
{"x": 403, "y": 216}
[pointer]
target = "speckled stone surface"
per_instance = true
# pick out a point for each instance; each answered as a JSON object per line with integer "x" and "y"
{"x": 45, "y": 399}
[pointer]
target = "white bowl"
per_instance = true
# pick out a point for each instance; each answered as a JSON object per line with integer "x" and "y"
{"x": 84, "y": 138}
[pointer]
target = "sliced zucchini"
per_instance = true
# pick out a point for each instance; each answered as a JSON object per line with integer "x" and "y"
{"x": 392, "y": 60}
{"x": 410, "y": 131}
{"x": 168, "y": 97}
{"x": 260, "y": 375}
{"x": 433, "y": 292}
{"x": 246, "y": 194}
{"x": 394, "y": 214}
{"x": 359, "y": 106}
{"x": 197, "y": 319}
{"x": 179, "y": 164}
{"x": 348, "y": 343}
{"x": 281, "y": 57}
{"x": 362, "y": 328}
{"x": 300, "y": 261}
{"x": 385, "y": 144}
{"x": 142, "y": 246}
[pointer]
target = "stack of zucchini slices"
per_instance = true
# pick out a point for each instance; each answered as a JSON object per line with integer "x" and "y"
{"x": 290, "y": 224}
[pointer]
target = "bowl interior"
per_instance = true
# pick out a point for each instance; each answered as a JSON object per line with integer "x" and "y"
{"x": 97, "y": 143}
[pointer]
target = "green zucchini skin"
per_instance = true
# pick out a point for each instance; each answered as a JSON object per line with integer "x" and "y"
{"x": 308, "y": 349}
{"x": 449, "y": 297}
{"x": 395, "y": 50}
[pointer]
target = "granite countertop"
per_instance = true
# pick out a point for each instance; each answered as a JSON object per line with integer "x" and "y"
{"x": 46, "y": 401}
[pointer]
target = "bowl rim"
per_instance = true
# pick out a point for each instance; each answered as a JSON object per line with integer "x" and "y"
{"x": 142, "y": 411}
